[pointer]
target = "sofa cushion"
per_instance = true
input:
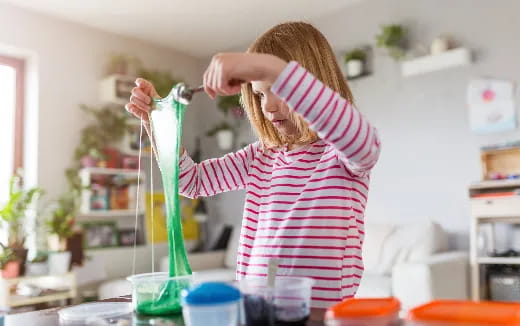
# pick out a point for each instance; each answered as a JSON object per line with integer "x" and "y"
{"x": 413, "y": 242}
{"x": 232, "y": 248}
{"x": 388, "y": 244}
{"x": 376, "y": 235}
{"x": 374, "y": 285}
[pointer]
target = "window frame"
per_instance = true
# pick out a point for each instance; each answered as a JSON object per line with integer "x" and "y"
{"x": 19, "y": 66}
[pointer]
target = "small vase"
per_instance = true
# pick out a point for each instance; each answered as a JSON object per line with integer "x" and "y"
{"x": 439, "y": 45}
{"x": 37, "y": 269}
{"x": 59, "y": 262}
{"x": 225, "y": 139}
{"x": 354, "y": 68}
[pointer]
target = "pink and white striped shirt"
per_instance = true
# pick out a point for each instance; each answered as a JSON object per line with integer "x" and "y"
{"x": 305, "y": 206}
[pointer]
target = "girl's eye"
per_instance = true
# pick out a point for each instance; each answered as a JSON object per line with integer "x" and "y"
{"x": 261, "y": 95}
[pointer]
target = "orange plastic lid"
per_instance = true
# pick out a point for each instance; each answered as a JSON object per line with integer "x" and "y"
{"x": 356, "y": 308}
{"x": 469, "y": 312}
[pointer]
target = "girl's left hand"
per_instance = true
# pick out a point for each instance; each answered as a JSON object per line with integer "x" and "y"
{"x": 227, "y": 71}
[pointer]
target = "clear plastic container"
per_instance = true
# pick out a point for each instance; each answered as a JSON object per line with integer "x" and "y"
{"x": 93, "y": 313}
{"x": 211, "y": 303}
{"x": 289, "y": 302}
{"x": 364, "y": 312}
{"x": 465, "y": 313}
{"x": 158, "y": 294}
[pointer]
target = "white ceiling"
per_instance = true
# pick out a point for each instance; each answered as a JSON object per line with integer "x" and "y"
{"x": 197, "y": 27}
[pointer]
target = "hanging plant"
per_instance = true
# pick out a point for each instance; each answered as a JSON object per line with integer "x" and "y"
{"x": 392, "y": 37}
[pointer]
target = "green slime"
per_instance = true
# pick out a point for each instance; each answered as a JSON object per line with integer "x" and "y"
{"x": 166, "y": 122}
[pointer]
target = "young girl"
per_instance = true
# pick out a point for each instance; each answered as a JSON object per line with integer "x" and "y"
{"x": 307, "y": 177}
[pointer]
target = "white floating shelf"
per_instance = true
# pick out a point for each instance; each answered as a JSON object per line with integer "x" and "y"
{"x": 499, "y": 260}
{"x": 491, "y": 184}
{"x": 449, "y": 59}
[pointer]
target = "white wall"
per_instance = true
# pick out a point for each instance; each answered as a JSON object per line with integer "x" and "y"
{"x": 429, "y": 155}
{"x": 68, "y": 60}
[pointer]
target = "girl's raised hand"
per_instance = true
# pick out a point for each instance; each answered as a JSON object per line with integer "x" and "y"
{"x": 141, "y": 99}
{"x": 227, "y": 71}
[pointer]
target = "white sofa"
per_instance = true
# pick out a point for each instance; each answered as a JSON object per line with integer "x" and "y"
{"x": 411, "y": 262}
{"x": 408, "y": 261}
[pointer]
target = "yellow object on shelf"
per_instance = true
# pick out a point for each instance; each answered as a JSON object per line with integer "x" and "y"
{"x": 190, "y": 227}
{"x": 158, "y": 226}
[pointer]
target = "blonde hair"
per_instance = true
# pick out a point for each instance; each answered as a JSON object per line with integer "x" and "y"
{"x": 301, "y": 42}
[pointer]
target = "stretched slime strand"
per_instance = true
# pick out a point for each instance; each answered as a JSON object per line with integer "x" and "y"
{"x": 166, "y": 125}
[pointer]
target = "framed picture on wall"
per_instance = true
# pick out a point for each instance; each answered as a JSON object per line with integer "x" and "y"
{"x": 128, "y": 236}
{"x": 100, "y": 234}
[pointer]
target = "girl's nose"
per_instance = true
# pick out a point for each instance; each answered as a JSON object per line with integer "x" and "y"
{"x": 270, "y": 104}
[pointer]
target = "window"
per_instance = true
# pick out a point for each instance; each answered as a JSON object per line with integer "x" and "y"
{"x": 11, "y": 120}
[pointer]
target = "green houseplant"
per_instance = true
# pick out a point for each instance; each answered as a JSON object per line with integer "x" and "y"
{"x": 355, "y": 61}
{"x": 13, "y": 215}
{"x": 225, "y": 131}
{"x": 356, "y": 54}
{"x": 60, "y": 223}
{"x": 13, "y": 212}
{"x": 392, "y": 37}
{"x": 109, "y": 127}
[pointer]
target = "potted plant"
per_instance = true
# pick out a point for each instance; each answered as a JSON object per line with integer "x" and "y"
{"x": 13, "y": 215}
{"x": 392, "y": 37}
{"x": 60, "y": 226}
{"x": 355, "y": 61}
{"x": 9, "y": 263}
{"x": 61, "y": 222}
{"x": 224, "y": 131}
{"x": 224, "y": 134}
{"x": 110, "y": 126}
{"x": 38, "y": 265}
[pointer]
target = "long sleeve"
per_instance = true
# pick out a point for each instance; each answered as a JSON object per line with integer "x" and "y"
{"x": 334, "y": 118}
{"x": 216, "y": 175}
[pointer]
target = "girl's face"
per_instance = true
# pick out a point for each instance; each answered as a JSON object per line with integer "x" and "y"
{"x": 274, "y": 109}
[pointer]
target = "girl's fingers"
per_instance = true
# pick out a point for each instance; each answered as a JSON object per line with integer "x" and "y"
{"x": 138, "y": 113}
{"x": 210, "y": 81}
{"x": 137, "y": 92}
{"x": 140, "y": 104}
{"x": 205, "y": 82}
{"x": 219, "y": 75}
{"x": 146, "y": 87}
